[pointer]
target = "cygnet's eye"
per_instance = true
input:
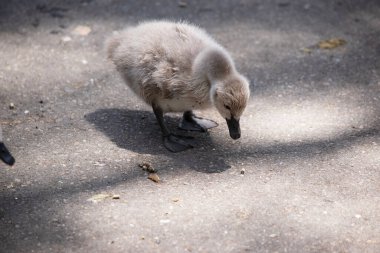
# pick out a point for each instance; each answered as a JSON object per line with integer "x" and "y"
{"x": 227, "y": 107}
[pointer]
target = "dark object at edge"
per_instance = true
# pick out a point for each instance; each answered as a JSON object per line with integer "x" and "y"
{"x": 5, "y": 155}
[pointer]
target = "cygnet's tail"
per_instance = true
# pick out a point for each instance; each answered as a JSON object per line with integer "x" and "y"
{"x": 112, "y": 44}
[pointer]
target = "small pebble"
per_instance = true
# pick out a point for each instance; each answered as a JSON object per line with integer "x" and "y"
{"x": 182, "y": 4}
{"x": 157, "y": 240}
{"x": 11, "y": 106}
{"x": 66, "y": 39}
{"x": 162, "y": 222}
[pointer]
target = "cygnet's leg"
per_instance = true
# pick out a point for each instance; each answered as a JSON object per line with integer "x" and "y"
{"x": 173, "y": 143}
{"x": 5, "y": 155}
{"x": 190, "y": 122}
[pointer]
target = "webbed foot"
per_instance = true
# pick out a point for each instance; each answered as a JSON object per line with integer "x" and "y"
{"x": 176, "y": 143}
{"x": 190, "y": 122}
{"x": 173, "y": 143}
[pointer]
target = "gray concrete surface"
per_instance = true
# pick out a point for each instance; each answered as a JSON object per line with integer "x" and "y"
{"x": 310, "y": 145}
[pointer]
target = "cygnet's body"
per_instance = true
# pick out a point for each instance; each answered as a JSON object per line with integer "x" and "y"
{"x": 177, "y": 67}
{"x": 5, "y": 155}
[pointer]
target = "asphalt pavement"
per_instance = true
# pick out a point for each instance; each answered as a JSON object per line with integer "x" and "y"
{"x": 304, "y": 177}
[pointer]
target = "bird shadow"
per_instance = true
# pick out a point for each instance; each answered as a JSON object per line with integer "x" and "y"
{"x": 138, "y": 131}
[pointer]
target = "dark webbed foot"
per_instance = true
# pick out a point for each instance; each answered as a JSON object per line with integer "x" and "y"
{"x": 175, "y": 143}
{"x": 190, "y": 122}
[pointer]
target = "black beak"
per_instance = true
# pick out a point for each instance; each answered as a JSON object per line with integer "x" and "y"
{"x": 5, "y": 155}
{"x": 234, "y": 128}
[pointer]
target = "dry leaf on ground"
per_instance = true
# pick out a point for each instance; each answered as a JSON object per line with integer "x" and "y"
{"x": 306, "y": 50}
{"x": 99, "y": 197}
{"x": 102, "y": 196}
{"x": 82, "y": 30}
{"x": 331, "y": 43}
{"x": 154, "y": 177}
{"x": 325, "y": 44}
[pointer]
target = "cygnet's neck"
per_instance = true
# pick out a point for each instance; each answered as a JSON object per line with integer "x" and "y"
{"x": 213, "y": 64}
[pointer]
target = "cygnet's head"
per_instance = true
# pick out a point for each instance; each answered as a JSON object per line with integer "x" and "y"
{"x": 230, "y": 97}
